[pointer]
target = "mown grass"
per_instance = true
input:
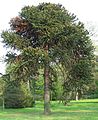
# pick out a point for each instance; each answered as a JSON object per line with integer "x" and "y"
{"x": 81, "y": 110}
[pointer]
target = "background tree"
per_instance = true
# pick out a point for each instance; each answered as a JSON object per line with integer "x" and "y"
{"x": 80, "y": 74}
{"x": 16, "y": 93}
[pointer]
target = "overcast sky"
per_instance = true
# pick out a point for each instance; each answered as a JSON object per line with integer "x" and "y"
{"x": 85, "y": 10}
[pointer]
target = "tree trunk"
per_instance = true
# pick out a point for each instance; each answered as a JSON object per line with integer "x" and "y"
{"x": 3, "y": 100}
{"x": 33, "y": 91}
{"x": 77, "y": 96}
{"x": 28, "y": 85}
{"x": 46, "y": 87}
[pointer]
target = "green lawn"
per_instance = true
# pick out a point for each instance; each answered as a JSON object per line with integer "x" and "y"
{"x": 81, "y": 110}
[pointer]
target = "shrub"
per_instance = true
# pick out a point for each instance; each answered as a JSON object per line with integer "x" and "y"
{"x": 17, "y": 95}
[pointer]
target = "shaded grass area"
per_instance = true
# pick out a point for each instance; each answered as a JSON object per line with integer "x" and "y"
{"x": 81, "y": 110}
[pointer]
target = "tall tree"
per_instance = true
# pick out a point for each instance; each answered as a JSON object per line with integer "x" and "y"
{"x": 45, "y": 35}
{"x": 82, "y": 54}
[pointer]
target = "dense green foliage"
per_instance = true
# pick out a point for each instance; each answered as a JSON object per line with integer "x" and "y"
{"x": 17, "y": 95}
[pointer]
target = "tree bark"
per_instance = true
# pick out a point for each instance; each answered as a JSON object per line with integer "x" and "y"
{"x": 46, "y": 87}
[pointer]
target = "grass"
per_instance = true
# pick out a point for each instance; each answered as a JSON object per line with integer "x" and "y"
{"x": 81, "y": 110}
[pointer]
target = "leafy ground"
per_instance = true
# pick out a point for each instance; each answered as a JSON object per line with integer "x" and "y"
{"x": 81, "y": 110}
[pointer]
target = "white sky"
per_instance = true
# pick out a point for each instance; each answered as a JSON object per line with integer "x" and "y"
{"x": 85, "y": 10}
